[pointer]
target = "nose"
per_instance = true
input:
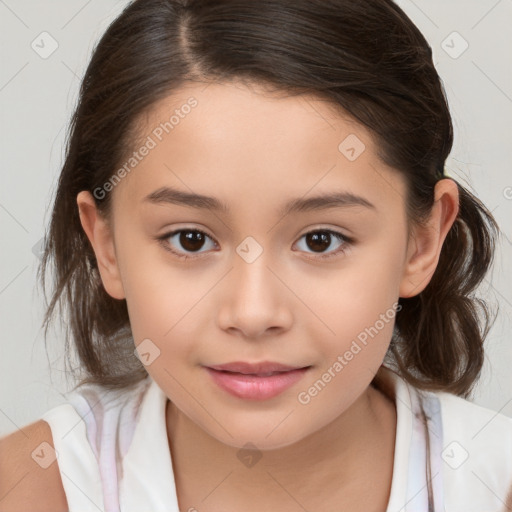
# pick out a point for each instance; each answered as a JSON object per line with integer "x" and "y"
{"x": 254, "y": 302}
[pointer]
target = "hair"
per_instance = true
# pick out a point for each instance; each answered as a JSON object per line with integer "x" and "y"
{"x": 364, "y": 57}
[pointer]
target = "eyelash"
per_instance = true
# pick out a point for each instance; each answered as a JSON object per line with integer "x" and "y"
{"x": 347, "y": 241}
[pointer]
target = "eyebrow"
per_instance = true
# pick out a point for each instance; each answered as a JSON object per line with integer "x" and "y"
{"x": 170, "y": 195}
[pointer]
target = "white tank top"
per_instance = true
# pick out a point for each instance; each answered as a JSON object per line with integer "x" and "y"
{"x": 114, "y": 456}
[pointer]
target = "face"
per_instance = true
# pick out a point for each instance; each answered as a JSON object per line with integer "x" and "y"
{"x": 310, "y": 287}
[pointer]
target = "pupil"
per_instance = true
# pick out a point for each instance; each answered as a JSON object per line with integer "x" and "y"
{"x": 189, "y": 239}
{"x": 318, "y": 241}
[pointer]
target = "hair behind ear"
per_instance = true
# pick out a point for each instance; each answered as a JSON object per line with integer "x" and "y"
{"x": 438, "y": 342}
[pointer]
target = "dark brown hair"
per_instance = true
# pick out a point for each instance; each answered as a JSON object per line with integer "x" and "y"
{"x": 364, "y": 57}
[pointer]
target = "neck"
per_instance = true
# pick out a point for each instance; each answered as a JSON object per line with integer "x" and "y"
{"x": 340, "y": 456}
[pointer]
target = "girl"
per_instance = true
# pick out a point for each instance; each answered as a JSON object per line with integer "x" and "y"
{"x": 267, "y": 276}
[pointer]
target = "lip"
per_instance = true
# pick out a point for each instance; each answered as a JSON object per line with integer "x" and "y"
{"x": 254, "y": 368}
{"x": 248, "y": 380}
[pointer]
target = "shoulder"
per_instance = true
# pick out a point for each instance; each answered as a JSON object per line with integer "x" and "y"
{"x": 467, "y": 417}
{"x": 476, "y": 450}
{"x": 29, "y": 474}
{"x": 483, "y": 433}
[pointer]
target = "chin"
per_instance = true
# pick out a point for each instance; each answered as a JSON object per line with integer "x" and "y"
{"x": 258, "y": 438}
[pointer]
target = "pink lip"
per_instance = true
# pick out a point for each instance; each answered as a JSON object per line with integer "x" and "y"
{"x": 254, "y": 368}
{"x": 244, "y": 380}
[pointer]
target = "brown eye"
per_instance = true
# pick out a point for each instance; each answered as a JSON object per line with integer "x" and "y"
{"x": 185, "y": 242}
{"x": 320, "y": 240}
{"x": 191, "y": 240}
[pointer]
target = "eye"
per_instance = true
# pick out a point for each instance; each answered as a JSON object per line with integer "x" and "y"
{"x": 190, "y": 240}
{"x": 321, "y": 239}
{"x": 193, "y": 240}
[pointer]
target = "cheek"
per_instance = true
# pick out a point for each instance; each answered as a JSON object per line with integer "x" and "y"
{"x": 358, "y": 304}
{"x": 163, "y": 310}
{"x": 160, "y": 299}
{"x": 360, "y": 316}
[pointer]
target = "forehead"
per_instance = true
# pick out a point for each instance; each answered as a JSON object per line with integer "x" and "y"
{"x": 231, "y": 138}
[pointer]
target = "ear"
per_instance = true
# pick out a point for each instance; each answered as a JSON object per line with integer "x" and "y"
{"x": 99, "y": 234}
{"x": 426, "y": 241}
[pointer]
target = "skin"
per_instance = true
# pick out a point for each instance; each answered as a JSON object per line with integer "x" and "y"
{"x": 254, "y": 151}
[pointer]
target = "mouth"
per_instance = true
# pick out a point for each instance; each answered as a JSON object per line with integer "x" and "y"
{"x": 268, "y": 374}
{"x": 256, "y": 381}
{"x": 262, "y": 369}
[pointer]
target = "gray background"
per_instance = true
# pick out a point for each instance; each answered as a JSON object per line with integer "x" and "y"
{"x": 37, "y": 96}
